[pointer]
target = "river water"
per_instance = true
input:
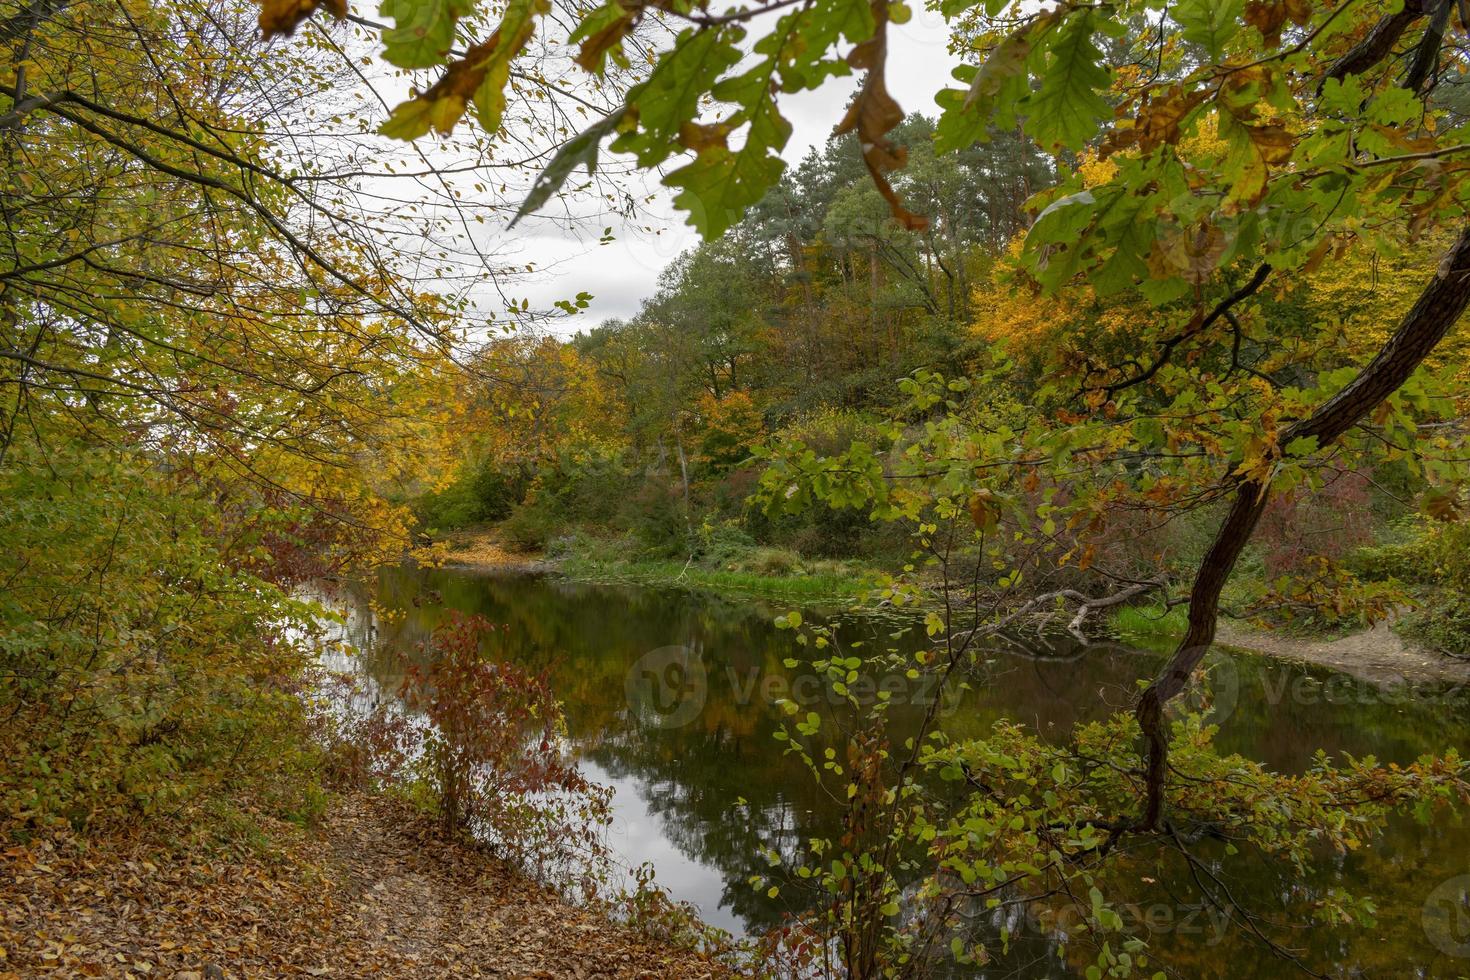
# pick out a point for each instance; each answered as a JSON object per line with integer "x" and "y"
{"x": 669, "y": 699}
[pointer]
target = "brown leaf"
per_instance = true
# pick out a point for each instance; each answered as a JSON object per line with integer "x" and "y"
{"x": 283, "y": 16}
{"x": 441, "y": 107}
{"x": 1267, "y": 16}
{"x": 1192, "y": 254}
{"x": 1442, "y": 505}
{"x": 873, "y": 114}
{"x": 1160, "y": 116}
{"x": 1274, "y": 142}
{"x": 697, "y": 136}
{"x": 983, "y": 510}
{"x": 1318, "y": 253}
{"x": 589, "y": 57}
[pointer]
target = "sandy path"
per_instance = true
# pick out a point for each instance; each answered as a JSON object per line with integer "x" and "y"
{"x": 1378, "y": 655}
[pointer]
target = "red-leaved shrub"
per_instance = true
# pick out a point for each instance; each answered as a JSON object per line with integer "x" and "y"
{"x": 493, "y": 759}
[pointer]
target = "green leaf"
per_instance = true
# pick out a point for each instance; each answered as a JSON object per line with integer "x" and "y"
{"x": 423, "y": 31}
{"x": 720, "y": 184}
{"x": 1067, "y": 108}
{"x": 670, "y": 97}
{"x": 580, "y": 150}
{"x": 1301, "y": 446}
{"x": 515, "y": 29}
{"x": 1209, "y": 23}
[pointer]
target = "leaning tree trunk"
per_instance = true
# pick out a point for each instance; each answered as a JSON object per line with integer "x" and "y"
{"x": 1420, "y": 331}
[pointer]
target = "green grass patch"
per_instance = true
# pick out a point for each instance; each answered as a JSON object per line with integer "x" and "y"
{"x": 1150, "y": 624}
{"x": 831, "y": 582}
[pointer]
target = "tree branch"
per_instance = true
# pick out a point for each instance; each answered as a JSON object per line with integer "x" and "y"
{"x": 1438, "y": 308}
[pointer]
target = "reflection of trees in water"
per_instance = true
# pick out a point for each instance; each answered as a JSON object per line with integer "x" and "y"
{"x": 692, "y": 786}
{"x": 691, "y": 777}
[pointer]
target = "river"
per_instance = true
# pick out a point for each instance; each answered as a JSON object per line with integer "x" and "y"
{"x": 702, "y": 789}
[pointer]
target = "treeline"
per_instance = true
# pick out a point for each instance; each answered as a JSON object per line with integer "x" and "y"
{"x": 644, "y": 438}
{"x": 801, "y": 319}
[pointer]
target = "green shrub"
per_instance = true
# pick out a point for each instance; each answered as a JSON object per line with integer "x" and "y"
{"x": 830, "y": 431}
{"x": 724, "y": 543}
{"x": 529, "y": 526}
{"x": 145, "y": 670}
{"x": 585, "y": 487}
{"x": 1434, "y": 557}
{"x": 1443, "y": 562}
{"x": 771, "y": 561}
{"x": 1442, "y": 624}
{"x": 480, "y": 492}
{"x": 656, "y": 516}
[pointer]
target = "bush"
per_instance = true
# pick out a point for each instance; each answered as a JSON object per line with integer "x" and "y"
{"x": 145, "y": 670}
{"x": 529, "y": 526}
{"x": 1442, "y": 624}
{"x": 820, "y": 530}
{"x": 584, "y": 486}
{"x": 1297, "y": 528}
{"x": 1441, "y": 559}
{"x": 830, "y": 431}
{"x": 480, "y": 492}
{"x": 724, "y": 543}
{"x": 490, "y": 755}
{"x": 581, "y": 488}
{"x": 771, "y": 561}
{"x": 1435, "y": 559}
{"x": 656, "y": 516}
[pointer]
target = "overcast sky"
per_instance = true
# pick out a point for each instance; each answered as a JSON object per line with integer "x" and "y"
{"x": 624, "y": 272}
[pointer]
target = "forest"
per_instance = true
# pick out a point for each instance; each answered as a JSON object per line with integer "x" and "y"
{"x": 1018, "y": 532}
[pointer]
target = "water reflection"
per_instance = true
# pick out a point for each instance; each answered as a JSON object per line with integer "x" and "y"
{"x": 705, "y": 796}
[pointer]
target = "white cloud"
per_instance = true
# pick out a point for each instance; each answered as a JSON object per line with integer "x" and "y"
{"x": 621, "y": 274}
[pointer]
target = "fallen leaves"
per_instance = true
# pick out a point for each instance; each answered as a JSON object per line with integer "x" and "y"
{"x": 371, "y": 894}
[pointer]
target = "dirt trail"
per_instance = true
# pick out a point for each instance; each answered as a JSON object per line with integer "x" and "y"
{"x": 1378, "y": 655}
{"x": 367, "y": 894}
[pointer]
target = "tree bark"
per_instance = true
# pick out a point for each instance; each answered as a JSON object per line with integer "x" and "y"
{"x": 1438, "y": 308}
{"x": 18, "y": 25}
{"x": 1380, "y": 41}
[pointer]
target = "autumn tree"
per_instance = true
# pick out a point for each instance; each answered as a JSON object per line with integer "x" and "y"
{"x": 1244, "y": 146}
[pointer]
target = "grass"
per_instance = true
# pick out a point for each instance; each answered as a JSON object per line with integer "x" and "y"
{"x": 1150, "y": 624}
{"x": 788, "y": 581}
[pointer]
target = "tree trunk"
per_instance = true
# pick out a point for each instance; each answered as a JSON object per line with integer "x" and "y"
{"x": 1420, "y": 331}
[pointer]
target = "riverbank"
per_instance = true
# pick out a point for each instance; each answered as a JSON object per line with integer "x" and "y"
{"x": 481, "y": 548}
{"x": 1379, "y": 655}
{"x": 759, "y": 573}
{"x": 368, "y": 890}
